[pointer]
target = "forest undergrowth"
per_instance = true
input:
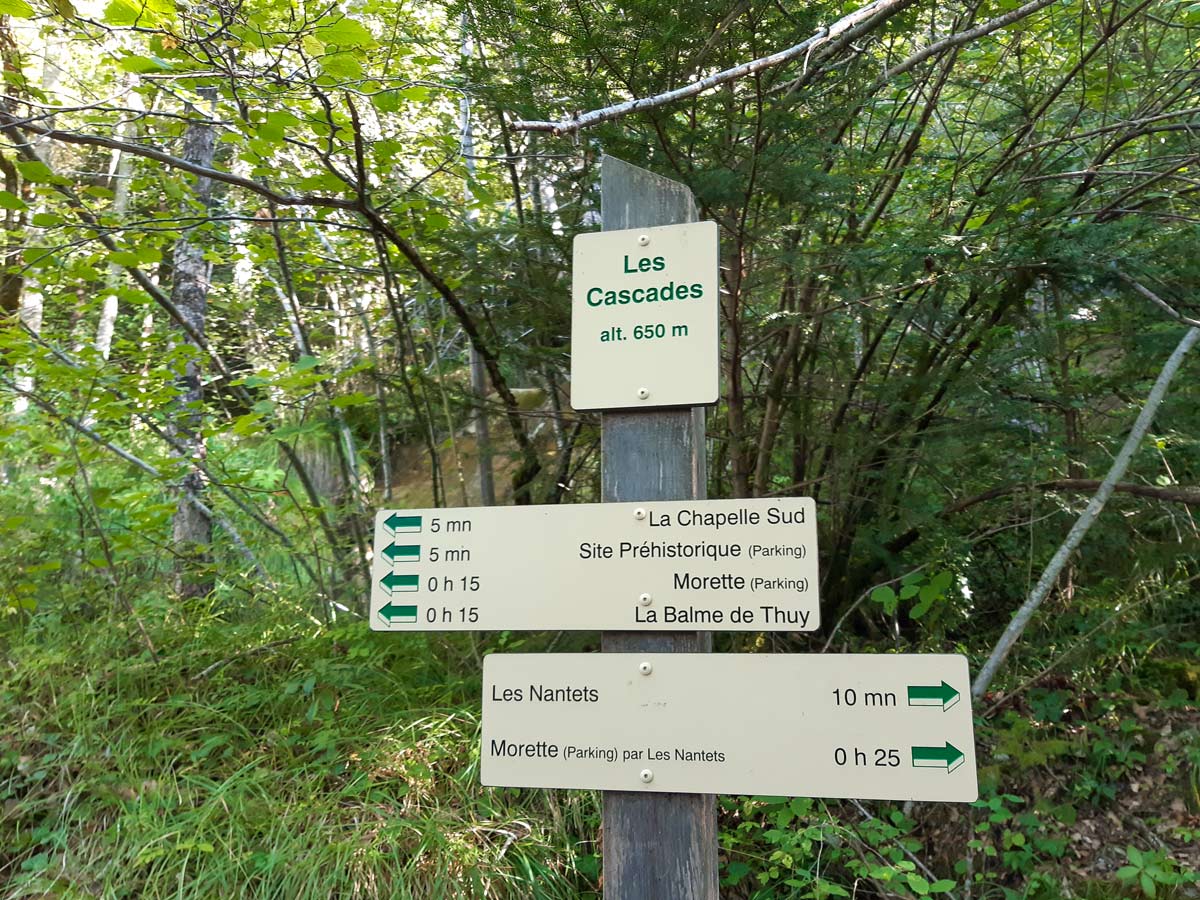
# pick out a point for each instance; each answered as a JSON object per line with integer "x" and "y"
{"x": 252, "y": 756}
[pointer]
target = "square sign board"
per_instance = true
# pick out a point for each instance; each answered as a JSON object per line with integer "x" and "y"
{"x": 644, "y": 308}
{"x": 866, "y": 726}
{"x": 663, "y": 565}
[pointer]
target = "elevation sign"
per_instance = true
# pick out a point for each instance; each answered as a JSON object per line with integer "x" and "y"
{"x": 864, "y": 726}
{"x": 722, "y": 565}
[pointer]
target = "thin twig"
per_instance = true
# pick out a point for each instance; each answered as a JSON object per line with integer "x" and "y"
{"x": 253, "y": 651}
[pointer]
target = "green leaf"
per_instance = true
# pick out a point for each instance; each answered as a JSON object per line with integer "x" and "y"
{"x": 127, "y": 258}
{"x": 942, "y": 581}
{"x": 735, "y": 872}
{"x": 918, "y": 884}
{"x": 417, "y": 92}
{"x": 46, "y": 220}
{"x": 273, "y": 128}
{"x": 147, "y": 253}
{"x": 347, "y": 33}
{"x": 341, "y": 65}
{"x": 941, "y": 886}
{"x": 9, "y": 200}
{"x": 312, "y": 45}
{"x": 18, "y": 9}
{"x": 140, "y": 65}
{"x": 139, "y": 12}
{"x": 1148, "y": 887}
{"x": 250, "y": 423}
{"x": 386, "y": 101}
{"x": 304, "y": 363}
{"x": 1134, "y": 855}
{"x": 885, "y": 597}
{"x": 356, "y": 399}
{"x": 36, "y": 172}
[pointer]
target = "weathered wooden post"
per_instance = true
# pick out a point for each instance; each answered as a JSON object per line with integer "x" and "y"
{"x": 656, "y": 846}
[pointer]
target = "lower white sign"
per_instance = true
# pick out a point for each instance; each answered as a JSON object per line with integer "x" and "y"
{"x": 864, "y": 726}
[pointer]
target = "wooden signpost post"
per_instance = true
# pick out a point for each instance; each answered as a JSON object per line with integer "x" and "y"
{"x": 659, "y": 560}
{"x": 655, "y": 845}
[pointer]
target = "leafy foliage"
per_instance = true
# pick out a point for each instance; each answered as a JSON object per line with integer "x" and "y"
{"x": 943, "y": 279}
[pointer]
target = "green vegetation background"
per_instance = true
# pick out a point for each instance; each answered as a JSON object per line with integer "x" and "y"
{"x": 949, "y": 280}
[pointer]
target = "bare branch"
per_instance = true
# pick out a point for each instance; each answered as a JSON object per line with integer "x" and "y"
{"x": 1158, "y": 301}
{"x": 878, "y": 10}
{"x": 1075, "y": 536}
{"x": 176, "y": 162}
{"x": 957, "y": 40}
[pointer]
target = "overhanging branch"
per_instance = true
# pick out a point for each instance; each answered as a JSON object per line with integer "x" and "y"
{"x": 879, "y": 9}
{"x": 11, "y": 123}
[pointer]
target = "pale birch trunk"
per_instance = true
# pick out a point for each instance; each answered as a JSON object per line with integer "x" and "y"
{"x": 120, "y": 172}
{"x": 189, "y": 293}
{"x": 483, "y": 439}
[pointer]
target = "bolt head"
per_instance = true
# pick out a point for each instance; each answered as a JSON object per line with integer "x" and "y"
{"x": 645, "y": 599}
{"x": 645, "y": 668}
{"x": 643, "y": 240}
{"x": 643, "y": 393}
{"x": 646, "y": 775}
{"x": 639, "y": 513}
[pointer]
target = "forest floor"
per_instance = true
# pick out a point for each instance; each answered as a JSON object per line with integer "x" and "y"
{"x": 336, "y": 762}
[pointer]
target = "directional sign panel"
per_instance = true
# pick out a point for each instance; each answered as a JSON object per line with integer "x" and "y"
{"x": 866, "y": 726}
{"x": 719, "y": 565}
{"x": 644, "y": 317}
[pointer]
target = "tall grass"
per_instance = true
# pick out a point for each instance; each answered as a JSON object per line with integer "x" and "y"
{"x": 338, "y": 764}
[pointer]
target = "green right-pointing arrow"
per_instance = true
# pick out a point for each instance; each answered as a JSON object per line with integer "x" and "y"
{"x": 932, "y": 695}
{"x": 948, "y": 757}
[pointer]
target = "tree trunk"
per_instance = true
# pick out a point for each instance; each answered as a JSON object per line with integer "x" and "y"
{"x": 121, "y": 171}
{"x": 189, "y": 292}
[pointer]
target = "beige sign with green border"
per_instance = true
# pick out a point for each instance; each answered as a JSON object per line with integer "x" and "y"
{"x": 718, "y": 565}
{"x": 866, "y": 726}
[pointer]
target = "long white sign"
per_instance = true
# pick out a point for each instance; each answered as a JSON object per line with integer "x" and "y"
{"x": 644, "y": 317}
{"x": 718, "y": 565}
{"x": 867, "y": 726}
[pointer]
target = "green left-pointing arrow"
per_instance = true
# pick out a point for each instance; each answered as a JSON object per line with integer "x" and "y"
{"x": 947, "y": 757}
{"x": 932, "y": 695}
{"x": 399, "y": 584}
{"x": 392, "y": 612}
{"x": 403, "y": 553}
{"x": 398, "y": 524}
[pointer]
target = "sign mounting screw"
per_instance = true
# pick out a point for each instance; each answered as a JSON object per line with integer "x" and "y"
{"x": 643, "y": 240}
{"x": 645, "y": 668}
{"x": 646, "y": 775}
{"x": 645, "y": 599}
{"x": 639, "y": 514}
{"x": 643, "y": 393}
